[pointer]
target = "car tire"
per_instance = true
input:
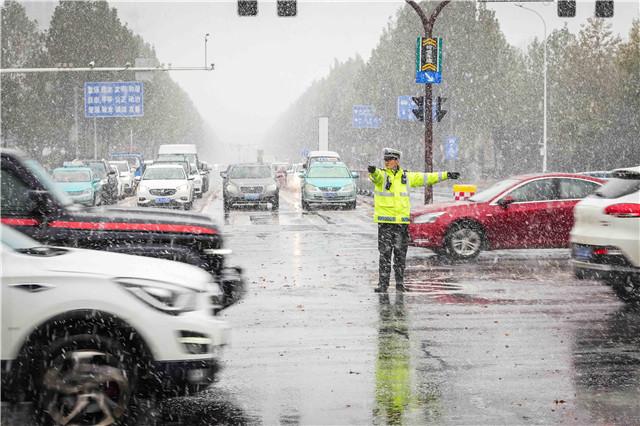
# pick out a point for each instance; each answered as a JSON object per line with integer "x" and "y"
{"x": 305, "y": 206}
{"x": 188, "y": 206}
{"x": 625, "y": 286}
{"x": 275, "y": 204}
{"x": 464, "y": 241}
{"x": 353, "y": 205}
{"x": 225, "y": 204}
{"x": 98, "y": 356}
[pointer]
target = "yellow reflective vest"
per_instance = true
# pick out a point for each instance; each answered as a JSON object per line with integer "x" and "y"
{"x": 391, "y": 196}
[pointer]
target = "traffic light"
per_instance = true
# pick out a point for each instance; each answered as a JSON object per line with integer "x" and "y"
{"x": 440, "y": 113}
{"x": 419, "y": 110}
{"x": 247, "y": 7}
{"x": 604, "y": 8}
{"x": 566, "y": 8}
{"x": 287, "y": 8}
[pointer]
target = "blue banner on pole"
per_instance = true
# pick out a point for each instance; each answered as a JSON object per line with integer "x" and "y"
{"x": 114, "y": 99}
{"x": 405, "y": 108}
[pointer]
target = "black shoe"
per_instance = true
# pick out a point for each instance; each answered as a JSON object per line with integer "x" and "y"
{"x": 380, "y": 289}
{"x": 401, "y": 287}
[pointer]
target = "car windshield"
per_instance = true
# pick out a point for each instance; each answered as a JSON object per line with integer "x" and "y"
{"x": 122, "y": 167}
{"x": 71, "y": 176}
{"x": 622, "y": 183}
{"x": 329, "y": 172}
{"x": 98, "y": 170}
{"x": 492, "y": 191}
{"x": 161, "y": 173}
{"x": 250, "y": 172}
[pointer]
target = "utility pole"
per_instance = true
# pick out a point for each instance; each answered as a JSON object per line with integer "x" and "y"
{"x": 428, "y": 23}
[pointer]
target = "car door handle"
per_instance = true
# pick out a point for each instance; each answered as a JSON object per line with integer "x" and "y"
{"x": 33, "y": 287}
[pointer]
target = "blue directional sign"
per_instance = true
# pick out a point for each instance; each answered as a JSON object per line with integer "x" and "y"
{"x": 405, "y": 108}
{"x": 451, "y": 148}
{"x": 114, "y": 99}
{"x": 364, "y": 117}
{"x": 429, "y": 60}
{"x": 428, "y": 77}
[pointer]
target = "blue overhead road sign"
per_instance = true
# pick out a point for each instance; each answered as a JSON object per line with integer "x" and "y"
{"x": 114, "y": 99}
{"x": 405, "y": 108}
{"x": 364, "y": 117}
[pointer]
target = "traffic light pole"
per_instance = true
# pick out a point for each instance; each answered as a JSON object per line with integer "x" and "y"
{"x": 428, "y": 23}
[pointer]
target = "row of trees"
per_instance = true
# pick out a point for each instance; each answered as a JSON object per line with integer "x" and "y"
{"x": 494, "y": 93}
{"x": 39, "y": 110}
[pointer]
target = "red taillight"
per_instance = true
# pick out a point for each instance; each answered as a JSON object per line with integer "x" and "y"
{"x": 600, "y": 251}
{"x": 623, "y": 210}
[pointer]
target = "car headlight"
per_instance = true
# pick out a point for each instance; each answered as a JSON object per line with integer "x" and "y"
{"x": 310, "y": 188}
{"x": 87, "y": 191}
{"x": 271, "y": 188}
{"x": 348, "y": 188}
{"x": 165, "y": 297}
{"x": 232, "y": 187}
{"x": 428, "y": 217}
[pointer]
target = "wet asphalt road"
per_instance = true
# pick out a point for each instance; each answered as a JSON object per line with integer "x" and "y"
{"x": 510, "y": 339}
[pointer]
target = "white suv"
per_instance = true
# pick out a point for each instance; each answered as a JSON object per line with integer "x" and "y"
{"x": 605, "y": 239}
{"x": 86, "y": 335}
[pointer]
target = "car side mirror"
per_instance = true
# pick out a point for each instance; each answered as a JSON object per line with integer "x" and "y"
{"x": 223, "y": 175}
{"x": 191, "y": 178}
{"x": 304, "y": 166}
{"x": 504, "y": 202}
{"x": 355, "y": 175}
{"x": 112, "y": 173}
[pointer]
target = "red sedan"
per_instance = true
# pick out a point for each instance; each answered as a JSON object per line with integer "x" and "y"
{"x": 531, "y": 211}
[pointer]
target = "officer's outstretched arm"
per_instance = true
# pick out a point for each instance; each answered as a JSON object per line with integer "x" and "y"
{"x": 423, "y": 179}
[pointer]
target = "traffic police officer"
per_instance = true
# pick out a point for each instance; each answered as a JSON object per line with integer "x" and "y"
{"x": 391, "y": 212}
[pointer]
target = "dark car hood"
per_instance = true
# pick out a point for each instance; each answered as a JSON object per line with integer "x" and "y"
{"x": 252, "y": 181}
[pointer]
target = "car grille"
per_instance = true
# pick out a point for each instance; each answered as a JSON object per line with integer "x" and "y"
{"x": 251, "y": 189}
{"x": 75, "y": 192}
{"x": 162, "y": 191}
{"x": 330, "y": 188}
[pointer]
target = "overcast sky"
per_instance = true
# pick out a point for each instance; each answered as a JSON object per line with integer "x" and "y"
{"x": 264, "y": 63}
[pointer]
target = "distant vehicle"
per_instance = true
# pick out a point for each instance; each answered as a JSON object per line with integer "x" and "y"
{"x": 314, "y": 156}
{"x": 191, "y": 152}
{"x": 328, "y": 183}
{"x": 135, "y": 160}
{"x": 293, "y": 175}
{"x": 108, "y": 180}
{"x": 531, "y": 211}
{"x": 249, "y": 184}
{"x": 79, "y": 183}
{"x": 165, "y": 185}
{"x": 190, "y": 167}
{"x": 126, "y": 176}
{"x": 605, "y": 238}
{"x": 107, "y": 329}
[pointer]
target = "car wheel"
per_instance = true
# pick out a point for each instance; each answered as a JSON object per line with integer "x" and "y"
{"x": 275, "y": 204}
{"x": 464, "y": 241}
{"x": 353, "y": 204}
{"x": 188, "y": 206}
{"x": 626, "y": 286}
{"x": 85, "y": 379}
{"x": 225, "y": 204}
{"x": 305, "y": 206}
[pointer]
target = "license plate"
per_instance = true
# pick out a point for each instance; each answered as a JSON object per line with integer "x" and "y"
{"x": 251, "y": 197}
{"x": 163, "y": 200}
{"x": 329, "y": 194}
{"x": 582, "y": 252}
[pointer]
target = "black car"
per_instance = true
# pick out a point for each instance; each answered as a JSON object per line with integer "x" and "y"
{"x": 33, "y": 204}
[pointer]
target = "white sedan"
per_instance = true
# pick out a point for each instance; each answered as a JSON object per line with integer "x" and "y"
{"x": 86, "y": 333}
{"x": 605, "y": 238}
{"x": 165, "y": 185}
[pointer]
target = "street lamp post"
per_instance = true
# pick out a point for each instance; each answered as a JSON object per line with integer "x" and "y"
{"x": 544, "y": 99}
{"x": 206, "y": 38}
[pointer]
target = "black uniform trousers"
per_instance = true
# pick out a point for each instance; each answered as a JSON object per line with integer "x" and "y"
{"x": 393, "y": 240}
